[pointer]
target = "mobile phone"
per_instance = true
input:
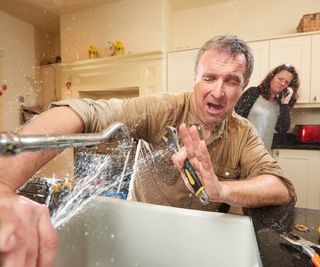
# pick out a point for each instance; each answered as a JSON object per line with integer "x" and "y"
{"x": 286, "y": 92}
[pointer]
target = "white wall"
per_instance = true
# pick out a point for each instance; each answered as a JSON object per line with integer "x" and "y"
{"x": 24, "y": 47}
{"x": 137, "y": 24}
{"x": 249, "y": 19}
{"x": 47, "y": 47}
{"x": 18, "y": 67}
{"x": 149, "y": 25}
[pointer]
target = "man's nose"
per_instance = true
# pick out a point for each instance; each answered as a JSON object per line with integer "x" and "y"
{"x": 218, "y": 89}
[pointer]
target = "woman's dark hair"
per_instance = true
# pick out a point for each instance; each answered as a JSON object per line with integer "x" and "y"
{"x": 264, "y": 86}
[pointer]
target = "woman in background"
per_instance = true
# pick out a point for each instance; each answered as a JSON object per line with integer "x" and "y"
{"x": 267, "y": 106}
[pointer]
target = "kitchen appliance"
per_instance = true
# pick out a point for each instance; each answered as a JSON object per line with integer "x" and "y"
{"x": 308, "y": 133}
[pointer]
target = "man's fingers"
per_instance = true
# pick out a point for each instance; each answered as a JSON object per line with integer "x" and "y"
{"x": 7, "y": 229}
{"x": 190, "y": 139}
{"x": 205, "y": 156}
{"x": 195, "y": 141}
{"x": 30, "y": 221}
{"x": 48, "y": 240}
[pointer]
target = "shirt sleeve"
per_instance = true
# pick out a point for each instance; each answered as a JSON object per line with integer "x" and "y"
{"x": 246, "y": 101}
{"x": 144, "y": 116}
{"x": 283, "y": 122}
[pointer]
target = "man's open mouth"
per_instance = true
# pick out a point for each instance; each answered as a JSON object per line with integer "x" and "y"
{"x": 214, "y": 107}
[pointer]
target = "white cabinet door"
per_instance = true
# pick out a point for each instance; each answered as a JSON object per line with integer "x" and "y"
{"x": 315, "y": 70}
{"x": 180, "y": 70}
{"x": 302, "y": 167}
{"x": 261, "y": 61}
{"x": 297, "y": 52}
{"x": 1, "y": 97}
{"x": 48, "y": 84}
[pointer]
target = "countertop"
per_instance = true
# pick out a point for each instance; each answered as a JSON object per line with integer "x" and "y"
{"x": 269, "y": 222}
{"x": 291, "y": 141}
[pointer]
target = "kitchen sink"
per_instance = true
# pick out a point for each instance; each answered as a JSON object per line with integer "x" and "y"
{"x": 121, "y": 233}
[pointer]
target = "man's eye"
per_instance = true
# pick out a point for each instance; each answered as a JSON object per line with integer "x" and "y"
{"x": 233, "y": 82}
{"x": 208, "y": 78}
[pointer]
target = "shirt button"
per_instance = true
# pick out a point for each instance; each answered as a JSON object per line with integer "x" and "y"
{"x": 227, "y": 173}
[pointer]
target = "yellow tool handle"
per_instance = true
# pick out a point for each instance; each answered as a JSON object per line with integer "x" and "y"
{"x": 316, "y": 260}
{"x": 193, "y": 178}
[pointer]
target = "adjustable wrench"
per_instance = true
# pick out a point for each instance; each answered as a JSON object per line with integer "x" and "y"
{"x": 171, "y": 140}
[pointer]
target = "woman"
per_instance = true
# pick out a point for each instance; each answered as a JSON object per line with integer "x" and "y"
{"x": 268, "y": 105}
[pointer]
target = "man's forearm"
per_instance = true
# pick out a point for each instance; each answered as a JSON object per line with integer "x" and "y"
{"x": 263, "y": 190}
{"x": 16, "y": 169}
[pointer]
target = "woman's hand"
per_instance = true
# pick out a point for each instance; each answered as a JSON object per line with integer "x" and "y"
{"x": 195, "y": 150}
{"x": 285, "y": 99}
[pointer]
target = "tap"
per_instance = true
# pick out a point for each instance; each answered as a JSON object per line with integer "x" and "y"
{"x": 13, "y": 143}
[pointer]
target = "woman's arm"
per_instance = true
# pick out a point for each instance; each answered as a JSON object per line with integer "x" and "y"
{"x": 283, "y": 122}
{"x": 246, "y": 101}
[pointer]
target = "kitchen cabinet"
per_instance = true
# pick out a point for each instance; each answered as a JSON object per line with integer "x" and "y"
{"x": 48, "y": 78}
{"x": 180, "y": 70}
{"x": 1, "y": 114}
{"x": 315, "y": 70}
{"x": 302, "y": 167}
{"x": 300, "y": 51}
{"x": 297, "y": 52}
{"x": 261, "y": 61}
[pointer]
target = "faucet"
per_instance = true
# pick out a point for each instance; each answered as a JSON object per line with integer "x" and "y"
{"x": 13, "y": 143}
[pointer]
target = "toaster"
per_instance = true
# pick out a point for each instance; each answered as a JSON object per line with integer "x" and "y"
{"x": 308, "y": 133}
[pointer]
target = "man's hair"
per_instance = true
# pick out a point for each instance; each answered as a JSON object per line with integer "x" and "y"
{"x": 229, "y": 45}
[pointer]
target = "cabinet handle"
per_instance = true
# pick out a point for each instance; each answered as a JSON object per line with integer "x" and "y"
{"x": 315, "y": 98}
{"x": 277, "y": 153}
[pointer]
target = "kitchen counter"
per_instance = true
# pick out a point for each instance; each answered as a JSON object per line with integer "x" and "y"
{"x": 291, "y": 141}
{"x": 270, "y": 221}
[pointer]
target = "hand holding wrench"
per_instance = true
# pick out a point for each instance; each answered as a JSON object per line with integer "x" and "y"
{"x": 172, "y": 142}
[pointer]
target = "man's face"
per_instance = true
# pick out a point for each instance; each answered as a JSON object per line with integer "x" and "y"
{"x": 218, "y": 85}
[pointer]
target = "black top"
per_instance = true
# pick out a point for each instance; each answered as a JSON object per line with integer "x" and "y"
{"x": 247, "y": 100}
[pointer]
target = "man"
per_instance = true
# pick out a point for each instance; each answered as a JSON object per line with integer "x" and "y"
{"x": 229, "y": 157}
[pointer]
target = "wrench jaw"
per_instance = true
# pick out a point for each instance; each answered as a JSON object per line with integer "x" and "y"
{"x": 171, "y": 139}
{"x": 203, "y": 197}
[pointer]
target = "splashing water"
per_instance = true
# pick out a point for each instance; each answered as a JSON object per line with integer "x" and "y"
{"x": 98, "y": 176}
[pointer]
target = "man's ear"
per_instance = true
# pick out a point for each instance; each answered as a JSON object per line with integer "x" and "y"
{"x": 194, "y": 78}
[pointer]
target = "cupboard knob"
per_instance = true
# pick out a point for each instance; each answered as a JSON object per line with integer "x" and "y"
{"x": 315, "y": 98}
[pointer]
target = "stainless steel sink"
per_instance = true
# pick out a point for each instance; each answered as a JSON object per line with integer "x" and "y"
{"x": 112, "y": 232}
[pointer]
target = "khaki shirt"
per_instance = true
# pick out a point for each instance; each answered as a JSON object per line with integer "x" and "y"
{"x": 235, "y": 148}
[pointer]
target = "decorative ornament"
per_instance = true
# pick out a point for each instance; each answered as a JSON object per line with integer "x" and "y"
{"x": 68, "y": 85}
{"x": 3, "y": 89}
{"x": 93, "y": 52}
{"x": 119, "y": 48}
{"x": 109, "y": 49}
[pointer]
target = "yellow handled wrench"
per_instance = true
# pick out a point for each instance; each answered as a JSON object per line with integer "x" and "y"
{"x": 171, "y": 140}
